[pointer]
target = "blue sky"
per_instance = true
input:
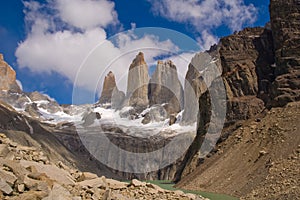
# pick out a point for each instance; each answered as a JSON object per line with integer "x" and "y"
{"x": 23, "y": 24}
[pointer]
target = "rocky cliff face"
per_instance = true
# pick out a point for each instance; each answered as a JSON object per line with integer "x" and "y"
{"x": 246, "y": 60}
{"x": 165, "y": 87}
{"x": 285, "y": 23}
{"x": 7, "y": 77}
{"x": 252, "y": 79}
{"x": 110, "y": 93}
{"x": 138, "y": 79}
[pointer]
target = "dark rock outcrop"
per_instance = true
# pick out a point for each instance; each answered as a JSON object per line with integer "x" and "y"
{"x": 285, "y": 23}
{"x": 247, "y": 59}
{"x": 165, "y": 87}
{"x": 138, "y": 79}
{"x": 7, "y": 77}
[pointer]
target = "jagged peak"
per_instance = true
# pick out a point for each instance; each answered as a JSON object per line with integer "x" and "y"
{"x": 138, "y": 61}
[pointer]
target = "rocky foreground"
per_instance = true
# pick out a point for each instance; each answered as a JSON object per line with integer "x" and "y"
{"x": 27, "y": 173}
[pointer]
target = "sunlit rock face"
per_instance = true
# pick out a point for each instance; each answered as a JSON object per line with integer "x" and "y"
{"x": 138, "y": 79}
{"x": 7, "y": 77}
{"x": 165, "y": 88}
{"x": 110, "y": 92}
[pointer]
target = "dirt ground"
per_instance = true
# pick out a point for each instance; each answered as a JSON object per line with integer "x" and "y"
{"x": 260, "y": 160}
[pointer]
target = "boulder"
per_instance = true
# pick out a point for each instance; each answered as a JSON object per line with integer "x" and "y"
{"x": 114, "y": 184}
{"x": 5, "y": 187}
{"x": 58, "y": 192}
{"x": 137, "y": 183}
{"x": 97, "y": 182}
{"x": 9, "y": 177}
{"x": 52, "y": 171}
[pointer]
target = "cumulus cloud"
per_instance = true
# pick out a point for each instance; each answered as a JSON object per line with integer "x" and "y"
{"x": 58, "y": 41}
{"x": 206, "y": 14}
{"x": 87, "y": 14}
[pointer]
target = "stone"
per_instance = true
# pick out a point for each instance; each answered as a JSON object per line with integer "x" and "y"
{"x": 52, "y": 171}
{"x": 137, "y": 85}
{"x": 155, "y": 187}
{"x": 178, "y": 193}
{"x": 58, "y": 192}
{"x": 114, "y": 184}
{"x": 87, "y": 176}
{"x": 4, "y": 187}
{"x": 31, "y": 195}
{"x": 97, "y": 182}
{"x": 9, "y": 177}
{"x": 36, "y": 185}
{"x": 107, "y": 195}
{"x": 21, "y": 188}
{"x": 19, "y": 170}
{"x": 3, "y": 150}
{"x": 137, "y": 183}
{"x": 165, "y": 87}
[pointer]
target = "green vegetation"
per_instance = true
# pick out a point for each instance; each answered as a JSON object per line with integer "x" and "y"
{"x": 168, "y": 185}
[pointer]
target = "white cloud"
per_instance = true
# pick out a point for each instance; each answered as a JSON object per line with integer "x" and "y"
{"x": 53, "y": 45}
{"x": 87, "y": 14}
{"x": 206, "y": 39}
{"x": 206, "y": 14}
{"x": 62, "y": 51}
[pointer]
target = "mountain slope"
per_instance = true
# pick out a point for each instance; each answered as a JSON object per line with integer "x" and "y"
{"x": 260, "y": 160}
